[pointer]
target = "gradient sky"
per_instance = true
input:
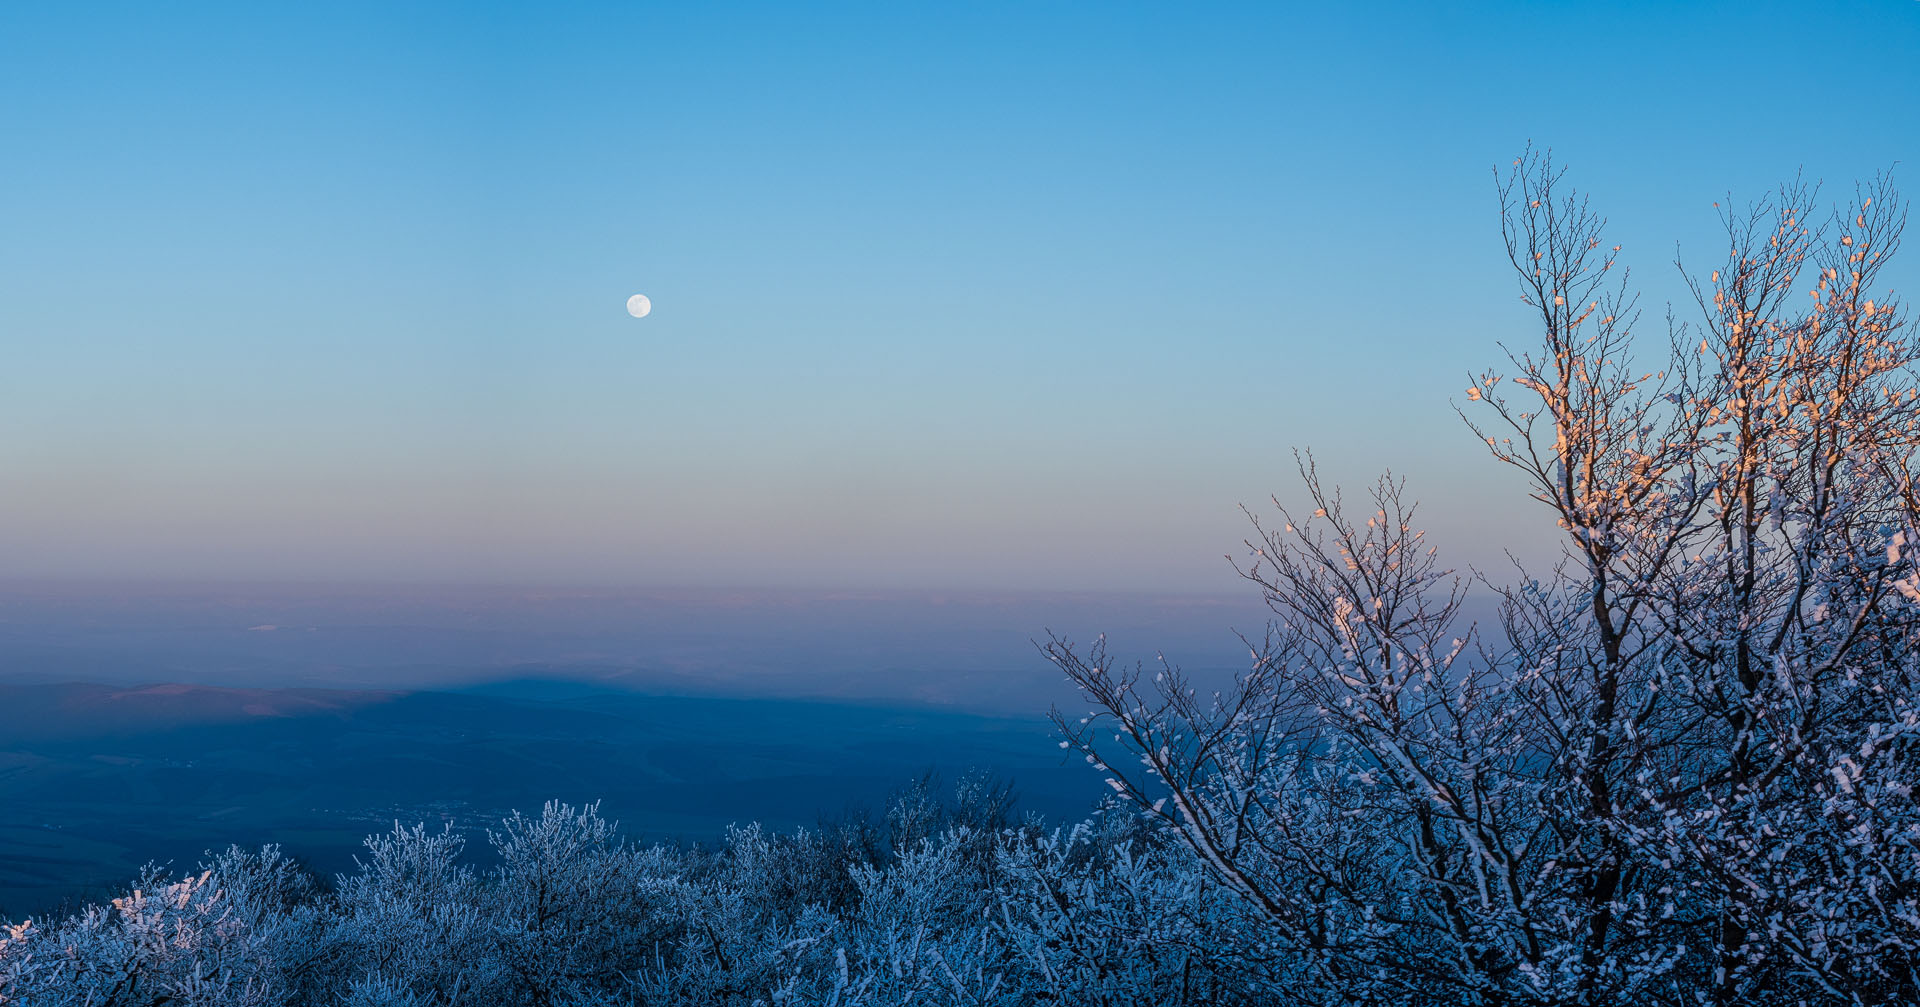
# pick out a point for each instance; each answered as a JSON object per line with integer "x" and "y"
{"x": 1017, "y": 296}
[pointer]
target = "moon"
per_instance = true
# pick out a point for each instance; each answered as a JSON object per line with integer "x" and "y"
{"x": 638, "y": 305}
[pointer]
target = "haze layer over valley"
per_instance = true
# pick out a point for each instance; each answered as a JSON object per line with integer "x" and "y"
{"x": 145, "y": 721}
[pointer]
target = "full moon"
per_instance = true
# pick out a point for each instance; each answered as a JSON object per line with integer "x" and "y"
{"x": 638, "y": 305}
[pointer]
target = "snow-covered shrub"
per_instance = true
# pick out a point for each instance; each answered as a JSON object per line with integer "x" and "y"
{"x": 413, "y": 914}
{"x": 165, "y": 942}
{"x": 574, "y": 905}
{"x": 1130, "y": 926}
{"x": 733, "y": 953}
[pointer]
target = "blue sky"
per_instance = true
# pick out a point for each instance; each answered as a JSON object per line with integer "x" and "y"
{"x": 1017, "y": 296}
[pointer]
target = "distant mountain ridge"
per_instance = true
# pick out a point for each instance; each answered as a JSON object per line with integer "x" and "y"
{"x": 85, "y": 709}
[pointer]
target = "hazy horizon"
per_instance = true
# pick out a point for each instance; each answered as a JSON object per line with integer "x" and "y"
{"x": 957, "y": 649}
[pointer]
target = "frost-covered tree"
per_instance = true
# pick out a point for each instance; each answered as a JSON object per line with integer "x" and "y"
{"x": 1679, "y": 770}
